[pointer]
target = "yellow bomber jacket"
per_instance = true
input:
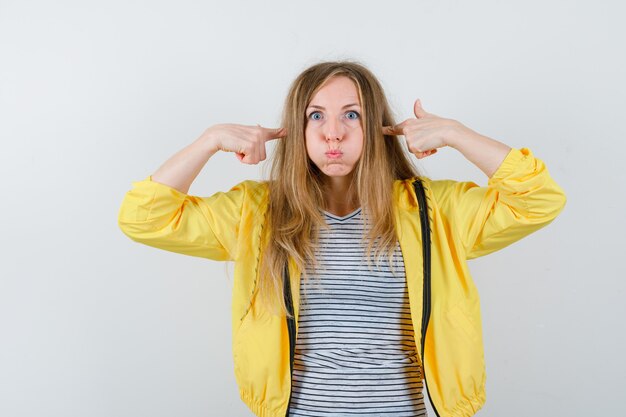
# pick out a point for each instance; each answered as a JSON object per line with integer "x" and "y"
{"x": 467, "y": 221}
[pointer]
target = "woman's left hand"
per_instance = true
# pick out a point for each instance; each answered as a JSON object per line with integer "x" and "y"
{"x": 425, "y": 133}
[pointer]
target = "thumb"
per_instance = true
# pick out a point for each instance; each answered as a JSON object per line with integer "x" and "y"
{"x": 418, "y": 110}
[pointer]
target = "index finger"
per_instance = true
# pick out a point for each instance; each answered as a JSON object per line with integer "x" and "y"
{"x": 271, "y": 134}
{"x": 394, "y": 130}
{"x": 388, "y": 130}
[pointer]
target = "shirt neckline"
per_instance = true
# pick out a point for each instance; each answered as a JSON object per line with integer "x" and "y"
{"x": 341, "y": 218}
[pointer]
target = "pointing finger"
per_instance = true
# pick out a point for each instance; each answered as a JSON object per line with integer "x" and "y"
{"x": 271, "y": 134}
{"x": 388, "y": 130}
{"x": 397, "y": 129}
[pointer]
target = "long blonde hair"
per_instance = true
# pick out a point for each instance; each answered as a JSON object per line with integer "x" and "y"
{"x": 296, "y": 188}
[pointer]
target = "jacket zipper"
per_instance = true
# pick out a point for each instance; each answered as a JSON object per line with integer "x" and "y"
{"x": 423, "y": 209}
{"x": 291, "y": 327}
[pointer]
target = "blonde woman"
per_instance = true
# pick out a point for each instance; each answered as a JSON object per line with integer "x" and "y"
{"x": 352, "y": 294}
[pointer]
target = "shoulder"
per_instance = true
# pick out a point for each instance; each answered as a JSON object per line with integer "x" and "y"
{"x": 435, "y": 190}
{"x": 251, "y": 192}
{"x": 251, "y": 186}
{"x": 404, "y": 190}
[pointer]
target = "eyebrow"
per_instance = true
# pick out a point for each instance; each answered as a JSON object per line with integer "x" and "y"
{"x": 323, "y": 108}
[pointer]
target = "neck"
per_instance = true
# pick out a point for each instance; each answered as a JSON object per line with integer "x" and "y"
{"x": 340, "y": 200}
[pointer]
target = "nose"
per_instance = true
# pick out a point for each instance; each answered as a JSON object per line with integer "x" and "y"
{"x": 334, "y": 130}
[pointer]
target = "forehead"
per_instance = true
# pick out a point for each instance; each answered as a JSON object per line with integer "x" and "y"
{"x": 338, "y": 90}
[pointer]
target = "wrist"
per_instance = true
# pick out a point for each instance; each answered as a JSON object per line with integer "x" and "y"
{"x": 208, "y": 143}
{"x": 459, "y": 135}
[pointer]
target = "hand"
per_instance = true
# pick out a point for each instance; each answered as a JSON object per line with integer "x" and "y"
{"x": 247, "y": 142}
{"x": 425, "y": 133}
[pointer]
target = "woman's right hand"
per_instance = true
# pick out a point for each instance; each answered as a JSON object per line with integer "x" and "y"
{"x": 247, "y": 142}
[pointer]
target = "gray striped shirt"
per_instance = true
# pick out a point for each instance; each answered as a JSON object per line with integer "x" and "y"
{"x": 355, "y": 352}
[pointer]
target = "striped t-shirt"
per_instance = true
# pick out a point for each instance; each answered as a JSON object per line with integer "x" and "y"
{"x": 355, "y": 351}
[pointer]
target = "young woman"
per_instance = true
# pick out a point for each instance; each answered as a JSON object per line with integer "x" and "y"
{"x": 351, "y": 286}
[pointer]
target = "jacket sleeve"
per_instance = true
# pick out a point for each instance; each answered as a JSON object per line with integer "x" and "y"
{"x": 520, "y": 198}
{"x": 160, "y": 216}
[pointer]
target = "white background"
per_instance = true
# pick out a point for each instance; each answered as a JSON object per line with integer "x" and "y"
{"x": 95, "y": 95}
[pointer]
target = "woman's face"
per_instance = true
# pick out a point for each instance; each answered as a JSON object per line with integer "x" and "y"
{"x": 334, "y": 132}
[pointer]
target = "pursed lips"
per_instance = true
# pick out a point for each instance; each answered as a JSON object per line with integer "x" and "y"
{"x": 334, "y": 154}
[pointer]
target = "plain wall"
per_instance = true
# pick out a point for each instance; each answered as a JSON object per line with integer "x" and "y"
{"x": 95, "y": 95}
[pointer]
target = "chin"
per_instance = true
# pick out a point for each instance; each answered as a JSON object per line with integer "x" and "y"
{"x": 337, "y": 173}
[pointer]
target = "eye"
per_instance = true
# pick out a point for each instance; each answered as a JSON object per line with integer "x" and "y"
{"x": 315, "y": 116}
{"x": 352, "y": 115}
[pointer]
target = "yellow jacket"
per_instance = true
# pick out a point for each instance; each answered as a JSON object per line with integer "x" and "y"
{"x": 467, "y": 221}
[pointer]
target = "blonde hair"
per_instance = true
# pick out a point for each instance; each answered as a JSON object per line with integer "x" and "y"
{"x": 296, "y": 188}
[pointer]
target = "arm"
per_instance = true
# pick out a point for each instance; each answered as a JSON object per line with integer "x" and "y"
{"x": 486, "y": 153}
{"x": 427, "y": 132}
{"x": 247, "y": 142}
{"x": 160, "y": 216}
{"x": 520, "y": 198}
{"x": 158, "y": 211}
{"x": 181, "y": 170}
